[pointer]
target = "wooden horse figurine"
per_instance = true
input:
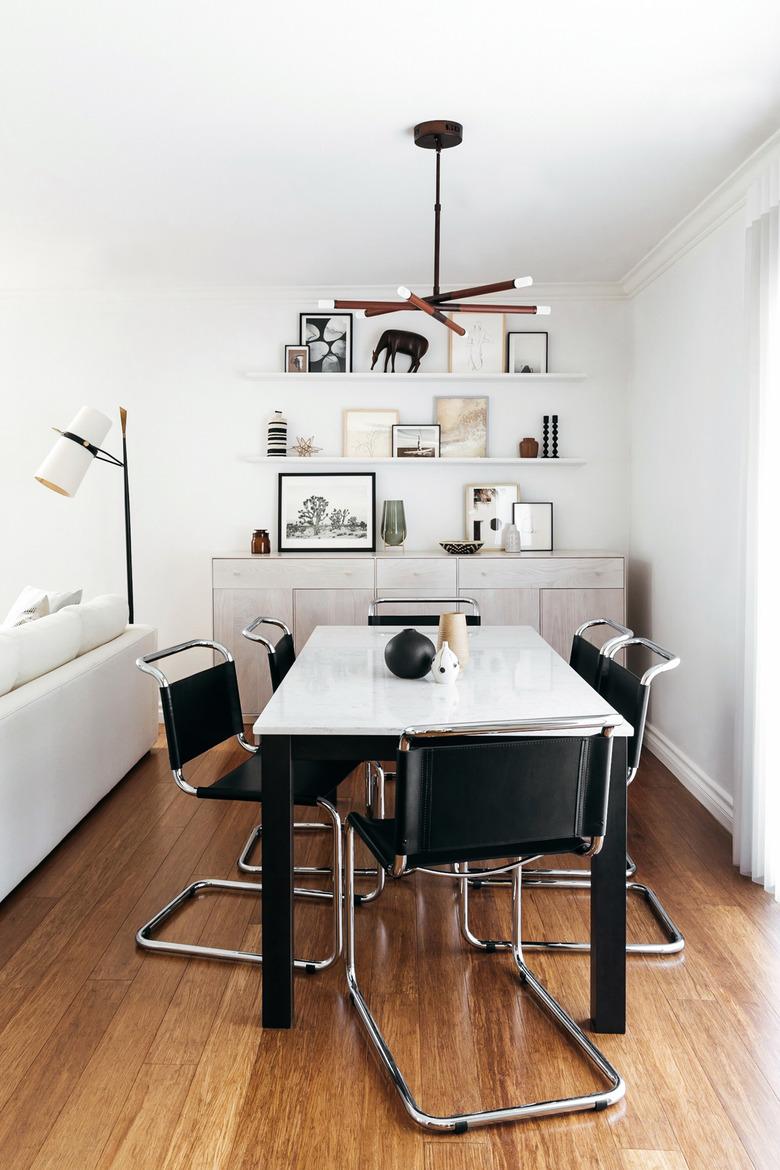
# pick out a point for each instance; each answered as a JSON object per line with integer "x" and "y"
{"x": 401, "y": 341}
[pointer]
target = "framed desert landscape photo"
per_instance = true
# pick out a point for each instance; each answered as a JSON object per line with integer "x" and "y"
{"x": 416, "y": 441}
{"x": 464, "y": 426}
{"x": 327, "y": 511}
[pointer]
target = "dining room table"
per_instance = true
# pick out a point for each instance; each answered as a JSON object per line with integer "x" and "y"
{"x": 339, "y": 701}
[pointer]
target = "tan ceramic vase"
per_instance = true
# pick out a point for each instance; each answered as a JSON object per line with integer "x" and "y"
{"x": 454, "y": 631}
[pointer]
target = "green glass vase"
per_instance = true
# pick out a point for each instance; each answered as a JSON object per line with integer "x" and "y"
{"x": 393, "y": 523}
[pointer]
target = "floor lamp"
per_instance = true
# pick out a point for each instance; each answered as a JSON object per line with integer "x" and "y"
{"x": 70, "y": 458}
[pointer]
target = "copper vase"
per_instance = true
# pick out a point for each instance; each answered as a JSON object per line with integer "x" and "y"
{"x": 529, "y": 448}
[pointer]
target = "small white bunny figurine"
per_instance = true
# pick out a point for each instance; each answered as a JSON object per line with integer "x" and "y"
{"x": 445, "y": 668}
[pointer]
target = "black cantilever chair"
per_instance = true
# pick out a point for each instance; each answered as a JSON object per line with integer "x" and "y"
{"x": 629, "y": 694}
{"x": 281, "y": 657}
{"x": 473, "y": 618}
{"x": 200, "y": 712}
{"x": 588, "y": 660}
{"x": 477, "y": 794}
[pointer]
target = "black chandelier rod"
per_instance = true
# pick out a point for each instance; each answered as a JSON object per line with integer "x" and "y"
{"x": 437, "y": 222}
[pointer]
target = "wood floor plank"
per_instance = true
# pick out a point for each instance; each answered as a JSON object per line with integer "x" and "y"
{"x": 111, "y": 1058}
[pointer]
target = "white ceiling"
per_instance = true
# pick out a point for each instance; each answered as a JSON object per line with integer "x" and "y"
{"x": 192, "y": 142}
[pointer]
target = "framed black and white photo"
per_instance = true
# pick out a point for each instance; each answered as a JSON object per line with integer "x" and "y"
{"x": 296, "y": 359}
{"x": 535, "y": 524}
{"x": 329, "y": 338}
{"x": 416, "y": 441}
{"x": 330, "y": 511}
{"x": 488, "y": 511}
{"x": 526, "y": 353}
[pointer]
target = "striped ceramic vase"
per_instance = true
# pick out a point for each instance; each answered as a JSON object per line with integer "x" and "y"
{"x": 277, "y": 434}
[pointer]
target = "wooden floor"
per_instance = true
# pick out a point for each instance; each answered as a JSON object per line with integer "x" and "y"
{"x": 111, "y": 1058}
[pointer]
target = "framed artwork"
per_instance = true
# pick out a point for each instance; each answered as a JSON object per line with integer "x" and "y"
{"x": 464, "y": 426}
{"x": 526, "y": 353}
{"x": 329, "y": 338}
{"x": 416, "y": 441}
{"x": 296, "y": 359}
{"x": 330, "y": 511}
{"x": 535, "y": 525}
{"x": 488, "y": 511}
{"x": 368, "y": 434}
{"x": 481, "y": 351}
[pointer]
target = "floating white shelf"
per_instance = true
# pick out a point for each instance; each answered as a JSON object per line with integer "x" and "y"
{"x": 360, "y": 462}
{"x": 377, "y": 375}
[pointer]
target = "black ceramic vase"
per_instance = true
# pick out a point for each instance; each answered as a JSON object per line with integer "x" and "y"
{"x": 409, "y": 654}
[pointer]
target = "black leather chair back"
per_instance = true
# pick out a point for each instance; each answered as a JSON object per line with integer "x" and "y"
{"x": 201, "y": 711}
{"x": 630, "y": 696}
{"x": 469, "y": 798}
{"x": 586, "y": 659}
{"x": 281, "y": 660}
{"x": 467, "y": 604}
{"x": 415, "y": 619}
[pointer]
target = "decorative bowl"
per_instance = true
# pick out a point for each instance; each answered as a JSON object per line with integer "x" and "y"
{"x": 461, "y": 548}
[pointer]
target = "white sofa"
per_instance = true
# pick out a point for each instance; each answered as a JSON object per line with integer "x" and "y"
{"x": 75, "y": 715}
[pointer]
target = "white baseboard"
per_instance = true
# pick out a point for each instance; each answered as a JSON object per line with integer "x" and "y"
{"x": 706, "y": 790}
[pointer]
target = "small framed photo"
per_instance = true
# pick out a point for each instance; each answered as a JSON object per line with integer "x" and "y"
{"x": 481, "y": 350}
{"x": 296, "y": 359}
{"x": 329, "y": 338}
{"x": 535, "y": 525}
{"x": 464, "y": 426}
{"x": 488, "y": 511}
{"x": 416, "y": 440}
{"x": 331, "y": 511}
{"x": 526, "y": 353}
{"x": 368, "y": 433}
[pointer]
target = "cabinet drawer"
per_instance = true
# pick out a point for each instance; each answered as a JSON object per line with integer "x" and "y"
{"x": 418, "y": 576}
{"x": 316, "y": 573}
{"x": 543, "y": 572}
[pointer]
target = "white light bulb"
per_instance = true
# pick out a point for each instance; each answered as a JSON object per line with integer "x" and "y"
{"x": 326, "y": 304}
{"x": 403, "y": 292}
{"x": 543, "y": 310}
{"x": 523, "y": 281}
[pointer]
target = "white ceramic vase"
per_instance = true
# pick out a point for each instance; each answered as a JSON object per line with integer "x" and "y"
{"x": 445, "y": 668}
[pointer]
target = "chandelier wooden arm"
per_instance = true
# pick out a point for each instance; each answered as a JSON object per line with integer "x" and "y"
{"x": 378, "y": 308}
{"x": 407, "y": 295}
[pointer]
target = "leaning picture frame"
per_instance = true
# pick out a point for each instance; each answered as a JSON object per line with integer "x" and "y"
{"x": 327, "y": 511}
{"x": 329, "y": 338}
{"x": 534, "y": 522}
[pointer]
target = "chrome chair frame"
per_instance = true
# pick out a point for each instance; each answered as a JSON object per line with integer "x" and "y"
{"x": 255, "y": 836}
{"x": 372, "y": 608}
{"x": 579, "y": 879}
{"x": 461, "y": 1122}
{"x": 145, "y": 934}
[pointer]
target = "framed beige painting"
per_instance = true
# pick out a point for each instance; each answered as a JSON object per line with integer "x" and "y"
{"x": 368, "y": 432}
{"x": 481, "y": 351}
{"x": 464, "y": 426}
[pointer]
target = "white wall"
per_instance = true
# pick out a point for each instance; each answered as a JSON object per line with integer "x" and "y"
{"x": 174, "y": 361}
{"x": 687, "y": 434}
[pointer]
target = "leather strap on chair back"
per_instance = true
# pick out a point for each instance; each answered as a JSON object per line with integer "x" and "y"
{"x": 201, "y": 711}
{"x": 627, "y": 694}
{"x": 281, "y": 660}
{"x": 586, "y": 659}
{"x": 479, "y": 798}
{"x": 415, "y": 619}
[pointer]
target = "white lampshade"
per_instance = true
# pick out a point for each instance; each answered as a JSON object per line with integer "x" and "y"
{"x": 66, "y": 464}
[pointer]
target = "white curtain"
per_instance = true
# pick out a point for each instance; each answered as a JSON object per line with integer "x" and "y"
{"x": 757, "y": 803}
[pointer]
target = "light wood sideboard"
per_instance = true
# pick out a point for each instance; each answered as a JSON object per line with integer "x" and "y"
{"x": 553, "y": 592}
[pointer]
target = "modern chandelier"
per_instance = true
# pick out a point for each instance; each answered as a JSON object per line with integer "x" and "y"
{"x": 440, "y": 135}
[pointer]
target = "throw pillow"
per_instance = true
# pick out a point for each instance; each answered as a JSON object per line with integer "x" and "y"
{"x": 30, "y": 605}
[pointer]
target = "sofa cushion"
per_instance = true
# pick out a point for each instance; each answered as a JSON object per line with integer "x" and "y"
{"x": 58, "y": 601}
{"x": 46, "y": 644}
{"x": 10, "y": 657}
{"x": 102, "y": 619}
{"x": 30, "y": 605}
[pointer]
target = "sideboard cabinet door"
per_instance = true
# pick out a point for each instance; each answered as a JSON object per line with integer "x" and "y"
{"x": 506, "y": 607}
{"x": 563, "y": 610}
{"x": 328, "y": 607}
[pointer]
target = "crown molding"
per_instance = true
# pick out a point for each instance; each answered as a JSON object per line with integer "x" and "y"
{"x": 719, "y": 206}
{"x": 307, "y": 295}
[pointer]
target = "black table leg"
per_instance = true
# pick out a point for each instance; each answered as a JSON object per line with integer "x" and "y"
{"x": 277, "y": 929}
{"x": 608, "y": 908}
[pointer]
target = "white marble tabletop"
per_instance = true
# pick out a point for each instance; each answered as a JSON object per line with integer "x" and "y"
{"x": 340, "y": 685}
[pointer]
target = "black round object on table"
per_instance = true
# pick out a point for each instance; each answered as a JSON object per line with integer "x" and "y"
{"x": 409, "y": 654}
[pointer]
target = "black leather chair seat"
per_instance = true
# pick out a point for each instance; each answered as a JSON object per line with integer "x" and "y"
{"x": 380, "y": 837}
{"x": 311, "y": 779}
